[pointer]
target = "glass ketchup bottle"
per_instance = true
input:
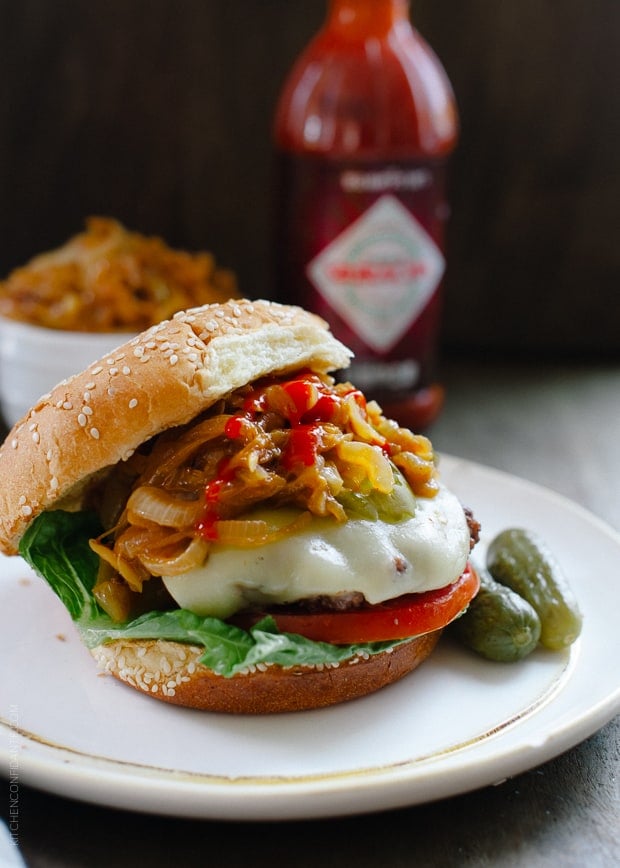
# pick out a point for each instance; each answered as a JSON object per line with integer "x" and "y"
{"x": 364, "y": 127}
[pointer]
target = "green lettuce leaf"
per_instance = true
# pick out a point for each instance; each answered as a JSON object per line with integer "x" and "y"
{"x": 56, "y": 547}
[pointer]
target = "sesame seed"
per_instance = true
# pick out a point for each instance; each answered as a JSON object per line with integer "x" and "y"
{"x": 94, "y": 433}
{"x": 87, "y": 396}
{"x": 36, "y": 437}
{"x": 90, "y": 385}
{"x": 22, "y": 499}
{"x": 87, "y": 410}
{"x": 96, "y": 370}
{"x": 67, "y": 405}
{"x": 49, "y": 455}
{"x": 113, "y": 372}
{"x": 127, "y": 370}
{"x": 26, "y": 511}
{"x": 32, "y": 427}
{"x": 139, "y": 351}
{"x": 14, "y": 443}
{"x": 82, "y": 419}
{"x": 54, "y": 483}
{"x": 174, "y": 359}
{"x": 133, "y": 403}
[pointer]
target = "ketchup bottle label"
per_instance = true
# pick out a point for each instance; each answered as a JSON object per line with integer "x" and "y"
{"x": 362, "y": 244}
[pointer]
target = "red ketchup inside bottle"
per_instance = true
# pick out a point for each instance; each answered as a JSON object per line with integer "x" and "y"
{"x": 364, "y": 127}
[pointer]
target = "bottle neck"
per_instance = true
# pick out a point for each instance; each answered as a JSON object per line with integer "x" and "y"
{"x": 359, "y": 19}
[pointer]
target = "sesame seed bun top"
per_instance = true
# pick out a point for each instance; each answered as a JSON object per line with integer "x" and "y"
{"x": 160, "y": 379}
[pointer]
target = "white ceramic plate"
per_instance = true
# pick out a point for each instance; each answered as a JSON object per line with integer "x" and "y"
{"x": 456, "y": 724}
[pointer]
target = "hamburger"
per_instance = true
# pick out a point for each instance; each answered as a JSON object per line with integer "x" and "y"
{"x": 231, "y": 529}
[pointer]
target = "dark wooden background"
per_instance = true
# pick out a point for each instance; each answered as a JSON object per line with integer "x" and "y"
{"x": 158, "y": 112}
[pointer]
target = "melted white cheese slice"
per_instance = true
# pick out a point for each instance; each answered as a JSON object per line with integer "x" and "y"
{"x": 380, "y": 560}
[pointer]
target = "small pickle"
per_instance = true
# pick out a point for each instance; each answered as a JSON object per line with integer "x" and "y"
{"x": 519, "y": 559}
{"x": 498, "y": 624}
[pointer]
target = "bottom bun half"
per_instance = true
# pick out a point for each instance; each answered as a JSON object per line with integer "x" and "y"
{"x": 170, "y": 671}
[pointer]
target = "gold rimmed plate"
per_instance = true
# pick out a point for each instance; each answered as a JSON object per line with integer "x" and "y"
{"x": 456, "y": 724}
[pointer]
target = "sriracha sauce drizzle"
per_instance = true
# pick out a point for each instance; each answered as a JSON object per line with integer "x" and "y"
{"x": 207, "y": 526}
{"x": 310, "y": 405}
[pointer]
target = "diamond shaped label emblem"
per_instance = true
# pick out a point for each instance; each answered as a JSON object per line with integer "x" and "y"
{"x": 379, "y": 273}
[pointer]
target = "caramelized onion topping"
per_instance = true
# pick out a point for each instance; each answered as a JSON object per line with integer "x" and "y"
{"x": 306, "y": 443}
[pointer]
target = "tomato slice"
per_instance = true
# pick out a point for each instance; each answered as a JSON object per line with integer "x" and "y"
{"x": 409, "y": 615}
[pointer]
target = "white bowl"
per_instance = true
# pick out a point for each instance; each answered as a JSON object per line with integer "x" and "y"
{"x": 34, "y": 359}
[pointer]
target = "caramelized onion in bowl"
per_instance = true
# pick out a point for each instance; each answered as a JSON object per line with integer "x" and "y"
{"x": 70, "y": 306}
{"x": 110, "y": 279}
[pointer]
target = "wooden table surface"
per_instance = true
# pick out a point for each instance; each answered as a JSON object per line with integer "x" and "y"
{"x": 556, "y": 425}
